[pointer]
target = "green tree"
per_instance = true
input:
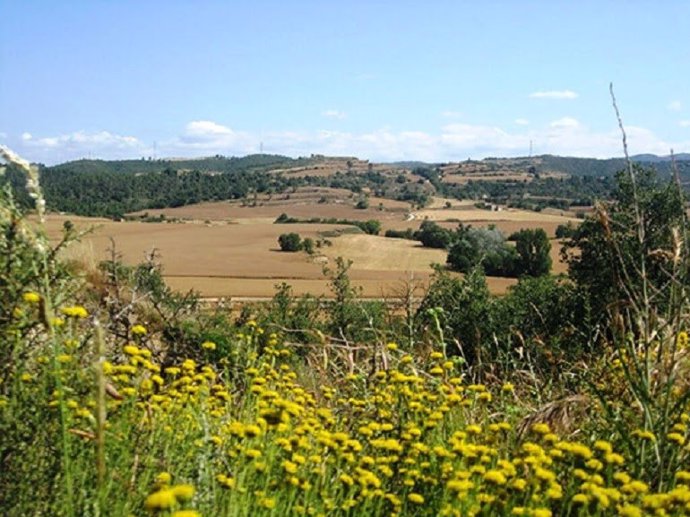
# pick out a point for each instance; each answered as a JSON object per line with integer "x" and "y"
{"x": 610, "y": 248}
{"x": 371, "y": 227}
{"x": 344, "y": 311}
{"x": 565, "y": 231}
{"x": 533, "y": 252}
{"x": 485, "y": 247}
{"x": 290, "y": 242}
{"x": 465, "y": 315}
{"x": 431, "y": 235}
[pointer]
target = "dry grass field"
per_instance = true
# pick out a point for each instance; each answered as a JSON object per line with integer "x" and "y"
{"x": 230, "y": 249}
{"x": 304, "y": 203}
{"x": 500, "y": 176}
{"x": 476, "y": 214}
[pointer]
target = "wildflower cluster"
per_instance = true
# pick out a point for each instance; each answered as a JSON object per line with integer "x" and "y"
{"x": 409, "y": 440}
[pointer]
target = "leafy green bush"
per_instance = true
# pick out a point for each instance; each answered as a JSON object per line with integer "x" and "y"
{"x": 290, "y": 242}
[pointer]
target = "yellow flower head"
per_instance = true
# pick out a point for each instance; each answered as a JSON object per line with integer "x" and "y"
{"x": 186, "y": 513}
{"x": 183, "y": 492}
{"x": 160, "y": 500}
{"x": 75, "y": 311}
{"x": 163, "y": 478}
{"x": 415, "y": 498}
{"x": 138, "y": 330}
{"x": 31, "y": 297}
{"x": 541, "y": 428}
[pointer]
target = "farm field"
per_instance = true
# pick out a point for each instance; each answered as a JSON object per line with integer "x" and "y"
{"x": 225, "y": 249}
{"x": 304, "y": 203}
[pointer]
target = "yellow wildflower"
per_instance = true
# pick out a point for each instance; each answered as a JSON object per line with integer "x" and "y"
{"x": 415, "y": 498}
{"x": 31, "y": 297}
{"x": 163, "y": 478}
{"x": 183, "y": 492}
{"x": 75, "y": 311}
{"x": 676, "y": 437}
{"x": 160, "y": 500}
{"x": 541, "y": 512}
{"x": 138, "y": 330}
{"x": 186, "y": 513}
{"x": 629, "y": 510}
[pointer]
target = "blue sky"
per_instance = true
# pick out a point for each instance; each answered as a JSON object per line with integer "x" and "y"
{"x": 385, "y": 80}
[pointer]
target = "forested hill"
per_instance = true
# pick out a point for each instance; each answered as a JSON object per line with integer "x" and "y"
{"x": 213, "y": 164}
{"x": 114, "y": 188}
{"x": 596, "y": 167}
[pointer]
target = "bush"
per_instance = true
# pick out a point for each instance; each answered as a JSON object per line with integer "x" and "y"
{"x": 565, "y": 231}
{"x": 533, "y": 252}
{"x": 431, "y": 235}
{"x": 483, "y": 247}
{"x": 290, "y": 242}
{"x": 308, "y": 245}
{"x": 371, "y": 227}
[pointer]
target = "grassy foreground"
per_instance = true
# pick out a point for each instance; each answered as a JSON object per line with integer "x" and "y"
{"x": 187, "y": 440}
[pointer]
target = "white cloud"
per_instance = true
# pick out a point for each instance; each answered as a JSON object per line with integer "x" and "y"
{"x": 452, "y": 141}
{"x": 554, "y": 94}
{"x": 521, "y": 121}
{"x": 205, "y": 128}
{"x": 684, "y": 123}
{"x": 211, "y": 137}
{"x": 81, "y": 143}
{"x": 565, "y": 122}
{"x": 334, "y": 114}
{"x": 451, "y": 114}
{"x": 674, "y": 106}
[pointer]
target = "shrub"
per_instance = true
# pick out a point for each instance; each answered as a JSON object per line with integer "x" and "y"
{"x": 290, "y": 242}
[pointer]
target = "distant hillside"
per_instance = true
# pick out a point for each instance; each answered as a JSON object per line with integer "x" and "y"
{"x": 653, "y": 158}
{"x": 114, "y": 188}
{"x": 218, "y": 164}
{"x": 117, "y": 187}
{"x": 567, "y": 165}
{"x": 596, "y": 167}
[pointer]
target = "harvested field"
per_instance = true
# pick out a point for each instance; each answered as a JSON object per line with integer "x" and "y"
{"x": 376, "y": 253}
{"x": 461, "y": 179}
{"x": 225, "y": 249}
{"x": 476, "y": 214}
{"x": 508, "y": 227}
{"x": 243, "y": 260}
{"x": 304, "y": 203}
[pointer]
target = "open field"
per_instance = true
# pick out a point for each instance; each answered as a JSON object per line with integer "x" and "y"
{"x": 476, "y": 214}
{"x": 500, "y": 176}
{"x": 243, "y": 260}
{"x": 230, "y": 249}
{"x": 304, "y": 203}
